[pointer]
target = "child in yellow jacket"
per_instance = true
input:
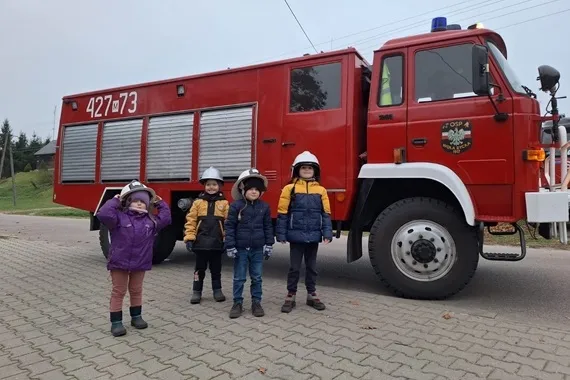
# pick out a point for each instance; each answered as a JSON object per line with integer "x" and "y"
{"x": 303, "y": 220}
{"x": 204, "y": 234}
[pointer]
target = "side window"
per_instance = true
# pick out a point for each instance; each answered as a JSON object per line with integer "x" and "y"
{"x": 315, "y": 88}
{"x": 443, "y": 73}
{"x": 391, "y": 89}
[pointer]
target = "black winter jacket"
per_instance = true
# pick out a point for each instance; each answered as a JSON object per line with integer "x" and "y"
{"x": 249, "y": 225}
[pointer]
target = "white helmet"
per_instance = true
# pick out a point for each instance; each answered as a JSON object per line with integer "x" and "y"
{"x": 135, "y": 185}
{"x": 211, "y": 173}
{"x": 305, "y": 158}
{"x": 246, "y": 174}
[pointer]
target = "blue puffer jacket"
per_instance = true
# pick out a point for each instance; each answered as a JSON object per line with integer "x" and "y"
{"x": 304, "y": 213}
{"x": 249, "y": 225}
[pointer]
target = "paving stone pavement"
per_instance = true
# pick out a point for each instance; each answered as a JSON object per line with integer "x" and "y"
{"x": 54, "y": 325}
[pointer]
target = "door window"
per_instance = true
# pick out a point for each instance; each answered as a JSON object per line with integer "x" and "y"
{"x": 315, "y": 88}
{"x": 391, "y": 89}
{"x": 443, "y": 73}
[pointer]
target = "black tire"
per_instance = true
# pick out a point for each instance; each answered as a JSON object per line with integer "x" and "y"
{"x": 163, "y": 245}
{"x": 386, "y": 225}
{"x": 104, "y": 242}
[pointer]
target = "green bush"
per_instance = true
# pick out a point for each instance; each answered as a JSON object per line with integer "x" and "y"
{"x": 28, "y": 168}
{"x": 44, "y": 177}
{"x": 43, "y": 166}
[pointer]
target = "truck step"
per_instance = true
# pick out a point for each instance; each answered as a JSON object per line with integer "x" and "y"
{"x": 504, "y": 256}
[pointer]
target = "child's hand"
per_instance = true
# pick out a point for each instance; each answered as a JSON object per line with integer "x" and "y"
{"x": 232, "y": 253}
{"x": 267, "y": 251}
{"x": 117, "y": 196}
{"x": 156, "y": 199}
{"x": 326, "y": 241}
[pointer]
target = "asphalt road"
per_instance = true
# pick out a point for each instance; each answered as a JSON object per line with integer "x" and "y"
{"x": 533, "y": 290}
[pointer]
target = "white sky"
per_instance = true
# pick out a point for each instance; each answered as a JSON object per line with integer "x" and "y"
{"x": 51, "y": 48}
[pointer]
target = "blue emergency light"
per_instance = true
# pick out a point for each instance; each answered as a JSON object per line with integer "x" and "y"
{"x": 438, "y": 24}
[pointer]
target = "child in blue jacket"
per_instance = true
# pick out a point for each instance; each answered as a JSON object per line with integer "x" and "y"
{"x": 303, "y": 220}
{"x": 249, "y": 238}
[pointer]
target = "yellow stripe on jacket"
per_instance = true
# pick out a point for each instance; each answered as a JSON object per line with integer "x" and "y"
{"x": 303, "y": 187}
{"x": 200, "y": 209}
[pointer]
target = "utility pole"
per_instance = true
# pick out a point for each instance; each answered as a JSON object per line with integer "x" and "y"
{"x": 13, "y": 176}
{"x": 3, "y": 153}
{"x": 53, "y": 130}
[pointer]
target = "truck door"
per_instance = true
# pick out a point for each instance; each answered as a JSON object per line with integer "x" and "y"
{"x": 315, "y": 118}
{"x": 448, "y": 124}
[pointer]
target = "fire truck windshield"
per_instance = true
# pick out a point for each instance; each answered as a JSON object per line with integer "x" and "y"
{"x": 506, "y": 68}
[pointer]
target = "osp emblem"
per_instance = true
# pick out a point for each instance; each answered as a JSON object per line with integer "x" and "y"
{"x": 456, "y": 136}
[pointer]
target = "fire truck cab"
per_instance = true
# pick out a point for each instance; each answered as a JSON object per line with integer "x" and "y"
{"x": 423, "y": 149}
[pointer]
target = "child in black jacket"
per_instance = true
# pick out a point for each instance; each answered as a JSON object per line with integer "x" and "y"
{"x": 249, "y": 238}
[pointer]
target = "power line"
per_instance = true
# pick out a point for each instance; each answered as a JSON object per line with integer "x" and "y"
{"x": 301, "y": 26}
{"x": 367, "y": 46}
{"x": 474, "y": 7}
{"x": 535, "y": 18}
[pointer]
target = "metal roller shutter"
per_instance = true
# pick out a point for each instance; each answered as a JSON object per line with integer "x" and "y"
{"x": 121, "y": 150}
{"x": 226, "y": 139}
{"x": 169, "y": 147}
{"x": 79, "y": 151}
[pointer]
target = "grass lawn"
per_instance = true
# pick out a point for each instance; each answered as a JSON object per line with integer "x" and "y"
{"x": 34, "y": 194}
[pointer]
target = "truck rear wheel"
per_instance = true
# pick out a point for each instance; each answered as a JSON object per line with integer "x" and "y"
{"x": 422, "y": 248}
{"x": 163, "y": 245}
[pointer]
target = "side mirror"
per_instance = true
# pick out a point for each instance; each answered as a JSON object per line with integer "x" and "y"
{"x": 480, "y": 68}
{"x": 548, "y": 77}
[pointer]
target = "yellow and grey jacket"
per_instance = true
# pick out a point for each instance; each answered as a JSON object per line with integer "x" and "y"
{"x": 303, "y": 214}
{"x": 205, "y": 222}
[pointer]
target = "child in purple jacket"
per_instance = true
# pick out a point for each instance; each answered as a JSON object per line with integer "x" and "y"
{"x": 133, "y": 228}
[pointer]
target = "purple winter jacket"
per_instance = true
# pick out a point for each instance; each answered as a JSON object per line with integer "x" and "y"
{"x": 132, "y": 234}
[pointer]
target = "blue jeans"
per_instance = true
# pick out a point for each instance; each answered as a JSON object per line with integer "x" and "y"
{"x": 252, "y": 259}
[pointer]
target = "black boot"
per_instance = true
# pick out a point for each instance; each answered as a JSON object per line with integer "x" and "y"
{"x": 197, "y": 292}
{"x": 136, "y": 319}
{"x": 219, "y": 296}
{"x": 117, "y": 328}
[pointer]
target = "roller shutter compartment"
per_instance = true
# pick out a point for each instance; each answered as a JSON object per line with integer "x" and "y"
{"x": 169, "y": 148}
{"x": 226, "y": 139}
{"x": 79, "y": 151}
{"x": 121, "y": 151}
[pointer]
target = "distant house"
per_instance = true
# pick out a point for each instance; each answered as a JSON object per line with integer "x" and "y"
{"x": 46, "y": 154}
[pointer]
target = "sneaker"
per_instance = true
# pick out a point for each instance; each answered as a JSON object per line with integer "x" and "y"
{"x": 256, "y": 309}
{"x": 289, "y": 303}
{"x": 314, "y": 301}
{"x": 236, "y": 310}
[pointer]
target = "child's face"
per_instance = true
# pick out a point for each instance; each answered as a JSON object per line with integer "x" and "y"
{"x": 252, "y": 194}
{"x": 211, "y": 186}
{"x": 306, "y": 171}
{"x": 138, "y": 205}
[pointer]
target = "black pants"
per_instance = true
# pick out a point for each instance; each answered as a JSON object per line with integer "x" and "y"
{"x": 297, "y": 252}
{"x": 203, "y": 260}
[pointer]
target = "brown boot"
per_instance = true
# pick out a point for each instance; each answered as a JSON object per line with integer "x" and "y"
{"x": 289, "y": 303}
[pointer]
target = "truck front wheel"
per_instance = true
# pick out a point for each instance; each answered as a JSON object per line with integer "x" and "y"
{"x": 422, "y": 248}
{"x": 163, "y": 244}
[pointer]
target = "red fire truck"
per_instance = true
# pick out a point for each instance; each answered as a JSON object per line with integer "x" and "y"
{"x": 451, "y": 140}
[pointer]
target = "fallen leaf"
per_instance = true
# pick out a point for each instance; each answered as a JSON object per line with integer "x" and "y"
{"x": 262, "y": 370}
{"x": 447, "y": 316}
{"x": 368, "y": 327}
{"x": 354, "y": 302}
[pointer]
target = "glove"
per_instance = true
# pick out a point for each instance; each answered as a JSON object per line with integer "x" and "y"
{"x": 267, "y": 251}
{"x": 189, "y": 246}
{"x": 232, "y": 253}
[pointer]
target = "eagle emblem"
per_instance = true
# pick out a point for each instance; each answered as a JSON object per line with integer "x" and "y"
{"x": 456, "y": 136}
